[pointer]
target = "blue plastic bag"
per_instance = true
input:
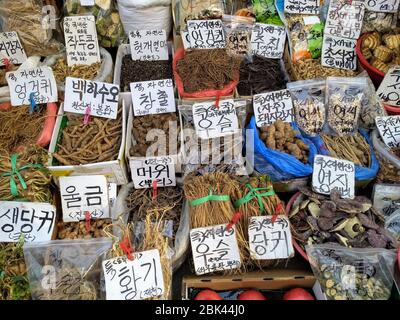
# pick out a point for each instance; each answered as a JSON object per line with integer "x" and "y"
{"x": 278, "y": 165}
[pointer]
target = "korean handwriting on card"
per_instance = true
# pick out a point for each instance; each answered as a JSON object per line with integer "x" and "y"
{"x": 148, "y": 45}
{"x": 382, "y": 5}
{"x": 270, "y": 240}
{"x": 11, "y": 49}
{"x": 28, "y": 220}
{"x": 331, "y": 173}
{"x": 339, "y": 53}
{"x": 206, "y": 34}
{"x": 268, "y": 40}
{"x": 389, "y": 129}
{"x": 389, "y": 90}
{"x": 272, "y": 106}
{"x": 302, "y": 6}
{"x": 214, "y": 248}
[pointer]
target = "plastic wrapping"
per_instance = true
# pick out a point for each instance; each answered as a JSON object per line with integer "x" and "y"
{"x": 392, "y": 224}
{"x": 265, "y": 12}
{"x": 238, "y": 34}
{"x": 66, "y": 269}
{"x": 353, "y": 274}
{"x": 379, "y": 21}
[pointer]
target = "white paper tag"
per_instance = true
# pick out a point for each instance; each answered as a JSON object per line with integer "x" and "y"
{"x": 339, "y": 53}
{"x": 389, "y": 90}
{"x": 11, "y": 48}
{"x": 269, "y": 241}
{"x": 268, "y": 40}
{"x": 137, "y": 279}
{"x": 309, "y": 20}
{"x": 32, "y": 220}
{"x": 82, "y": 194}
{"x": 81, "y": 41}
{"x": 86, "y": 3}
{"x": 185, "y": 40}
{"x": 101, "y": 97}
{"x": 149, "y": 45}
{"x": 206, "y": 34}
{"x": 214, "y": 248}
{"x": 37, "y": 83}
{"x": 153, "y": 97}
{"x": 389, "y": 129}
{"x": 159, "y": 169}
{"x": 112, "y": 196}
{"x": 302, "y": 6}
{"x": 382, "y": 5}
{"x": 271, "y": 106}
{"x": 330, "y": 173}
{"x": 211, "y": 121}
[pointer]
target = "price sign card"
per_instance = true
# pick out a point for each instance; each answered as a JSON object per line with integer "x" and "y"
{"x": 87, "y": 3}
{"x": 339, "y": 53}
{"x": 159, "y": 169}
{"x": 153, "y": 97}
{"x": 211, "y": 121}
{"x": 185, "y": 39}
{"x": 389, "y": 90}
{"x": 272, "y": 106}
{"x": 214, "y": 248}
{"x": 34, "y": 221}
{"x": 345, "y": 18}
{"x": 382, "y": 5}
{"x": 206, "y": 34}
{"x": 38, "y": 84}
{"x": 100, "y": 97}
{"x": 82, "y": 194}
{"x": 389, "y": 129}
{"x": 11, "y": 48}
{"x": 81, "y": 40}
{"x": 268, "y": 40}
{"x": 148, "y": 45}
{"x": 137, "y": 279}
{"x": 302, "y": 6}
{"x": 331, "y": 173}
{"x": 270, "y": 240}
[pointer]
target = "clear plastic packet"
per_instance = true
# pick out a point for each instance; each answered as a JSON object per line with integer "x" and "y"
{"x": 66, "y": 269}
{"x": 238, "y": 34}
{"x": 344, "y": 96}
{"x": 309, "y": 105}
{"x": 353, "y": 274}
{"x": 265, "y": 12}
{"x": 392, "y": 224}
{"x": 379, "y": 21}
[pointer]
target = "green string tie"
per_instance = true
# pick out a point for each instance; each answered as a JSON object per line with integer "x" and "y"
{"x": 253, "y": 194}
{"x": 210, "y": 197}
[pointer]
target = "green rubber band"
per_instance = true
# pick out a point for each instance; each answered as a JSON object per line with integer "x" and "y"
{"x": 210, "y": 197}
{"x": 253, "y": 194}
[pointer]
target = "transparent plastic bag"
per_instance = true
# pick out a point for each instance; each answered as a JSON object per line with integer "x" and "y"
{"x": 265, "y": 12}
{"x": 378, "y": 21}
{"x": 238, "y": 34}
{"x": 392, "y": 224}
{"x": 353, "y": 274}
{"x": 66, "y": 269}
{"x": 309, "y": 105}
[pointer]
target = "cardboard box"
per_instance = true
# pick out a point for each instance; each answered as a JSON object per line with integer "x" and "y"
{"x": 114, "y": 170}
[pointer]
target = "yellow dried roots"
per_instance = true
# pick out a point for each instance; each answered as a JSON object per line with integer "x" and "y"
{"x": 61, "y": 70}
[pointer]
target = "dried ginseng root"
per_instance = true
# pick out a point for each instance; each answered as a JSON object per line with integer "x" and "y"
{"x": 80, "y": 230}
{"x": 61, "y": 70}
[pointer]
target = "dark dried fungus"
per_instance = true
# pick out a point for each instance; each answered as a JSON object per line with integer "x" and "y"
{"x": 367, "y": 222}
{"x": 313, "y": 222}
{"x": 328, "y": 205}
{"x": 387, "y": 235}
{"x": 325, "y": 223}
{"x": 311, "y": 194}
{"x": 376, "y": 240}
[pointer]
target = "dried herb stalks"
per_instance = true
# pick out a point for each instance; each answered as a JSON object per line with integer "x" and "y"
{"x": 61, "y": 70}
{"x": 77, "y": 230}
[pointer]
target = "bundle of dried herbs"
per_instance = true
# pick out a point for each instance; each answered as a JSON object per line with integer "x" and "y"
{"x": 312, "y": 68}
{"x": 78, "y": 230}
{"x": 61, "y": 70}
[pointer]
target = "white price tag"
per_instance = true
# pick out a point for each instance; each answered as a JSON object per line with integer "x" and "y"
{"x": 206, "y": 34}
{"x": 211, "y": 121}
{"x": 81, "y": 40}
{"x": 87, "y": 3}
{"x": 270, "y": 240}
{"x": 389, "y": 129}
{"x": 311, "y": 20}
{"x": 271, "y": 106}
{"x": 389, "y": 90}
{"x": 148, "y": 45}
{"x": 185, "y": 40}
{"x": 330, "y": 173}
{"x": 302, "y": 6}
{"x": 34, "y": 221}
{"x": 11, "y": 48}
{"x": 82, "y": 194}
{"x": 339, "y": 53}
{"x": 153, "y": 97}
{"x": 214, "y": 248}
{"x": 268, "y": 40}
{"x": 382, "y": 5}
{"x": 155, "y": 169}
{"x": 38, "y": 84}
{"x": 137, "y": 279}
{"x": 100, "y": 97}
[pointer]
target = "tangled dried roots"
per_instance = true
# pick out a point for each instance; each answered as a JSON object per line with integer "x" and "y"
{"x": 61, "y": 70}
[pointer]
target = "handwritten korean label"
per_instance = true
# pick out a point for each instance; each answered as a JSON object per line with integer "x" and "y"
{"x": 214, "y": 248}
{"x": 11, "y": 48}
{"x": 152, "y": 97}
{"x": 185, "y": 39}
{"x": 302, "y": 6}
{"x": 211, "y": 121}
{"x": 137, "y": 279}
{"x": 272, "y": 106}
{"x": 81, "y": 194}
{"x": 268, "y": 40}
{"x": 339, "y": 53}
{"x": 330, "y": 173}
{"x": 389, "y": 129}
{"x": 382, "y": 5}
{"x": 81, "y": 40}
{"x": 206, "y": 34}
{"x": 38, "y": 83}
{"x": 32, "y": 220}
{"x": 345, "y": 18}
{"x": 159, "y": 169}
{"x": 389, "y": 90}
{"x": 269, "y": 240}
{"x": 101, "y": 97}
{"x": 148, "y": 45}
{"x": 386, "y": 198}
